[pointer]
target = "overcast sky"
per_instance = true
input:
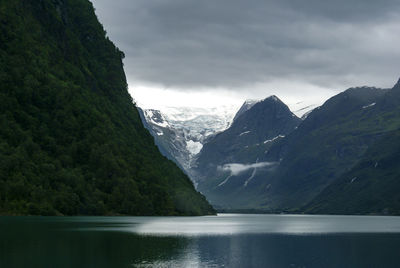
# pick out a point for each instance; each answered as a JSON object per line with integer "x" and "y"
{"x": 208, "y": 52}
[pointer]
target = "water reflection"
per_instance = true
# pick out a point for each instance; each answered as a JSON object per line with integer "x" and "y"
{"x": 224, "y": 241}
{"x": 230, "y": 224}
{"x": 287, "y": 251}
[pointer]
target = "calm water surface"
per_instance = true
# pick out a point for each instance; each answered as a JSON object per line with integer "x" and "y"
{"x": 227, "y": 240}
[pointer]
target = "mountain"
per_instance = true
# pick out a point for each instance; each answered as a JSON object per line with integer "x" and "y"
{"x": 372, "y": 184}
{"x": 326, "y": 144}
{"x": 71, "y": 140}
{"x": 297, "y": 163}
{"x": 231, "y": 162}
{"x": 180, "y": 132}
{"x": 265, "y": 120}
{"x": 340, "y": 157}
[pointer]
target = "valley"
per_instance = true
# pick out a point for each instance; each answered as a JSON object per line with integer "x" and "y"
{"x": 268, "y": 159}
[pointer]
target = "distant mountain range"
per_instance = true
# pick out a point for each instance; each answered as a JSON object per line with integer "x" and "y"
{"x": 181, "y": 132}
{"x": 341, "y": 157}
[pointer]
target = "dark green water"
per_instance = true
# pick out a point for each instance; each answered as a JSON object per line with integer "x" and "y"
{"x": 229, "y": 240}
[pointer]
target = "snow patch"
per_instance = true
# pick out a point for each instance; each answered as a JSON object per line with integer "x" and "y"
{"x": 243, "y": 133}
{"x": 163, "y": 124}
{"x": 156, "y": 118}
{"x": 194, "y": 147}
{"x": 250, "y": 178}
{"x": 149, "y": 113}
{"x": 369, "y": 105}
{"x": 225, "y": 181}
{"x": 275, "y": 138}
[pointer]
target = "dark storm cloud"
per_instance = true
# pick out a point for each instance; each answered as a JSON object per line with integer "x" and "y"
{"x": 233, "y": 44}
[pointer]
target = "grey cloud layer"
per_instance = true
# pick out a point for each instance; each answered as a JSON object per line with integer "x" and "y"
{"x": 233, "y": 44}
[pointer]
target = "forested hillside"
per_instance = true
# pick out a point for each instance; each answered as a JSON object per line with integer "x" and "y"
{"x": 71, "y": 140}
{"x": 372, "y": 185}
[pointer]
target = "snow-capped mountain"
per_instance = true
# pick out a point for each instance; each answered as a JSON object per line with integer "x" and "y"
{"x": 180, "y": 132}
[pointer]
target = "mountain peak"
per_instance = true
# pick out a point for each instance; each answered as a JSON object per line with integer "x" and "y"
{"x": 268, "y": 109}
{"x": 250, "y": 103}
{"x": 273, "y": 97}
{"x": 273, "y": 100}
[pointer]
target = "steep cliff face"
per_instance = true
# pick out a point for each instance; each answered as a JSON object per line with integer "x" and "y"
{"x": 71, "y": 140}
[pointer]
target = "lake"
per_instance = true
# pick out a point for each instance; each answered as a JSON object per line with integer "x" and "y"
{"x": 226, "y": 240}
